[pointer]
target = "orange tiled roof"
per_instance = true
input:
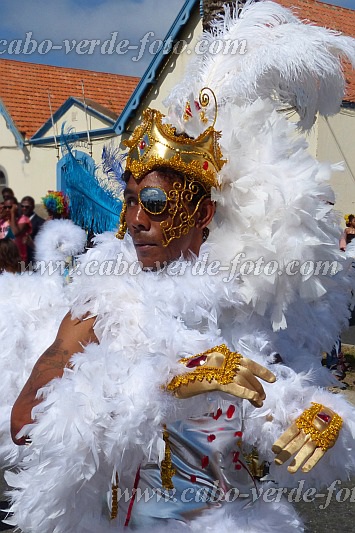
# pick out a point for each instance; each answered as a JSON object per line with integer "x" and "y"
{"x": 24, "y": 91}
{"x": 332, "y": 17}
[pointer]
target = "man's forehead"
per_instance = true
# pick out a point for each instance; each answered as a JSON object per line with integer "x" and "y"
{"x": 152, "y": 179}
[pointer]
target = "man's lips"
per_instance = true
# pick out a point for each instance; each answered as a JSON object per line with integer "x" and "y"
{"x": 144, "y": 244}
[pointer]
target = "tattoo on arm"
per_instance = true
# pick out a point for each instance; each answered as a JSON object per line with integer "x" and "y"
{"x": 54, "y": 358}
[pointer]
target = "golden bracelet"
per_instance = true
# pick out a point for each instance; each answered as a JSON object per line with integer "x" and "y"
{"x": 223, "y": 375}
{"x": 324, "y": 439}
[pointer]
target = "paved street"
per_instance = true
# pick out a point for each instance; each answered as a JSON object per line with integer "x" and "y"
{"x": 338, "y": 516}
{"x": 348, "y": 336}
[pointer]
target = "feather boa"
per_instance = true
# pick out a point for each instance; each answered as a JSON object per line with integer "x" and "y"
{"x": 32, "y": 307}
{"x": 116, "y": 390}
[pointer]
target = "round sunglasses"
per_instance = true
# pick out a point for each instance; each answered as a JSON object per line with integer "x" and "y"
{"x": 154, "y": 200}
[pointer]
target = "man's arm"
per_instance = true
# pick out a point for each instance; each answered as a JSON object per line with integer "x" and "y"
{"x": 342, "y": 242}
{"x": 17, "y": 227}
{"x": 72, "y": 336}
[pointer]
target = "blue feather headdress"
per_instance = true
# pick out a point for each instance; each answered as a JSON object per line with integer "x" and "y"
{"x": 95, "y": 201}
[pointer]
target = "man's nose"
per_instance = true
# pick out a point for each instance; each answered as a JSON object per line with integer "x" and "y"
{"x": 141, "y": 220}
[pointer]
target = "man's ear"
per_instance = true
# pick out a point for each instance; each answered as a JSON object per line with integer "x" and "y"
{"x": 205, "y": 213}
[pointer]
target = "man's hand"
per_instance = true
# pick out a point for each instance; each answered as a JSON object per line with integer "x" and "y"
{"x": 225, "y": 371}
{"x": 14, "y": 210}
{"x": 308, "y": 445}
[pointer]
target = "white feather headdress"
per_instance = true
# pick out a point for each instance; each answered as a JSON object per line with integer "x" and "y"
{"x": 275, "y": 202}
{"x": 267, "y": 52}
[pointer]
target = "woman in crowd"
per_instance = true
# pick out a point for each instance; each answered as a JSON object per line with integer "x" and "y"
{"x": 349, "y": 232}
{"x": 15, "y": 227}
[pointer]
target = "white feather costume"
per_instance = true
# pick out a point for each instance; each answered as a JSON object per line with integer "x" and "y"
{"x": 32, "y": 306}
{"x": 105, "y": 416}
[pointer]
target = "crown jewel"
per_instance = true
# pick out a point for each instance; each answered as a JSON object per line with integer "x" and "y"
{"x": 155, "y": 144}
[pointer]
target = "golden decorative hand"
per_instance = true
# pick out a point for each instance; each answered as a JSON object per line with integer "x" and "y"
{"x": 308, "y": 438}
{"x": 219, "y": 369}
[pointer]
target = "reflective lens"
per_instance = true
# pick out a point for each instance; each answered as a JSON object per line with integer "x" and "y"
{"x": 153, "y": 200}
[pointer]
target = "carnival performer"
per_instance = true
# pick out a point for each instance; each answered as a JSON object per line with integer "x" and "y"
{"x": 169, "y": 356}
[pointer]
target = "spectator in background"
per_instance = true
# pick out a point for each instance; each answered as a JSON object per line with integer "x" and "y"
{"x": 1, "y": 217}
{"x": 56, "y": 204}
{"x": 27, "y": 209}
{"x": 9, "y": 257}
{"x": 7, "y": 193}
{"x": 5, "y": 219}
{"x": 335, "y": 359}
{"x": 15, "y": 227}
{"x": 349, "y": 232}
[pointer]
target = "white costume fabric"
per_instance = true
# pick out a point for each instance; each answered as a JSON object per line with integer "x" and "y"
{"x": 106, "y": 415}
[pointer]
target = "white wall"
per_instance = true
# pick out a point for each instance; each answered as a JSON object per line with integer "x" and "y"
{"x": 336, "y": 143}
{"x": 33, "y": 170}
{"x": 75, "y": 118}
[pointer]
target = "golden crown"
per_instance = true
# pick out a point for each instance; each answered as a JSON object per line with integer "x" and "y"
{"x": 154, "y": 144}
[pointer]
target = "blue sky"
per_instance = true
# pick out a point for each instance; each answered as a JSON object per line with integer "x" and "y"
{"x": 66, "y": 23}
{"x": 88, "y": 33}
{"x": 350, "y": 4}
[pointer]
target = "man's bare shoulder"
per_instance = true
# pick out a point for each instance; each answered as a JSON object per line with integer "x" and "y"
{"x": 77, "y": 330}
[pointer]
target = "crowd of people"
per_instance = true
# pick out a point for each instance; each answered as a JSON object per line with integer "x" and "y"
{"x": 335, "y": 360}
{"x": 20, "y": 224}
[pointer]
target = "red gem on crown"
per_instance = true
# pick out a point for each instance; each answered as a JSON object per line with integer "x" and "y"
{"x": 142, "y": 145}
{"x": 205, "y": 165}
{"x": 188, "y": 110}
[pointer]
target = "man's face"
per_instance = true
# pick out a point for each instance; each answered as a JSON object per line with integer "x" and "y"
{"x": 145, "y": 228}
{"x": 7, "y": 195}
{"x": 27, "y": 208}
{"x": 7, "y": 209}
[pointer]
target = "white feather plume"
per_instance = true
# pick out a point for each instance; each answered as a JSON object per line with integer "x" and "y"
{"x": 58, "y": 239}
{"x": 267, "y": 52}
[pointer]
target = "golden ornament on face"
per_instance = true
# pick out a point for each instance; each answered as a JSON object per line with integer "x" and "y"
{"x": 181, "y": 210}
{"x": 180, "y": 206}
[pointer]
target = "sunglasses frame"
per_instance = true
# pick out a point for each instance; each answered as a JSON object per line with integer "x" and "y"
{"x": 145, "y": 207}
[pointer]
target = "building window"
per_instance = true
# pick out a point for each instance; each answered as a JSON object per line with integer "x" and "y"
{"x": 3, "y": 180}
